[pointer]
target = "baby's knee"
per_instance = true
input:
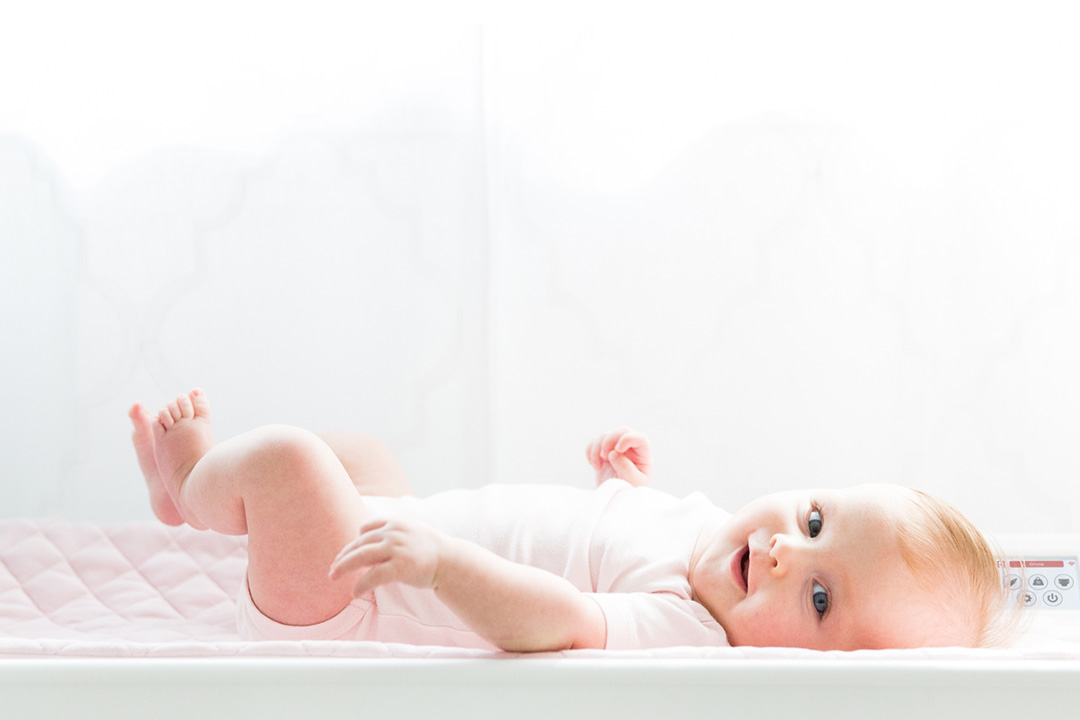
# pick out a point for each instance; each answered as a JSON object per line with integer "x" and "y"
{"x": 290, "y": 454}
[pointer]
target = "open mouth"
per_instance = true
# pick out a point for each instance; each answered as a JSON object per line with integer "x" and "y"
{"x": 745, "y": 563}
{"x": 740, "y": 568}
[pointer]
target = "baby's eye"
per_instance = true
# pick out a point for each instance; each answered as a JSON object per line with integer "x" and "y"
{"x": 821, "y": 600}
{"x": 813, "y": 523}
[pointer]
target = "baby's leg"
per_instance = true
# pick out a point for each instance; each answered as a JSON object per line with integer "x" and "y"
{"x": 280, "y": 485}
{"x": 142, "y": 437}
{"x": 369, "y": 462}
{"x": 372, "y": 467}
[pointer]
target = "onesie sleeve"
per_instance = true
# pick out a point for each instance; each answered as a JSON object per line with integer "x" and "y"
{"x": 642, "y": 620}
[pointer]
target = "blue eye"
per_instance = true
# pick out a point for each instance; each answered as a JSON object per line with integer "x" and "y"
{"x": 813, "y": 523}
{"x": 821, "y": 600}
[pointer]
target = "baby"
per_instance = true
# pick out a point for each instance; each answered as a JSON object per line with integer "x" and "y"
{"x": 535, "y": 568}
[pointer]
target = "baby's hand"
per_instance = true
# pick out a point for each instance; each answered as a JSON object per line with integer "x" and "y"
{"x": 625, "y": 454}
{"x": 395, "y": 550}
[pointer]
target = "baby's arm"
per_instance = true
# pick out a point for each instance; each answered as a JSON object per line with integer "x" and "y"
{"x": 515, "y": 607}
{"x": 624, "y": 453}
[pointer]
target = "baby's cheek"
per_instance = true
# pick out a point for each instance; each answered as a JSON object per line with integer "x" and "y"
{"x": 762, "y": 624}
{"x": 742, "y": 624}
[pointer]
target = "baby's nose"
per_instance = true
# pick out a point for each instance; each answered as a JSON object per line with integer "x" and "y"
{"x": 780, "y": 554}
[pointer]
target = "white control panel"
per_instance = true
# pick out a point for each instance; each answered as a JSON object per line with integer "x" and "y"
{"x": 1043, "y": 582}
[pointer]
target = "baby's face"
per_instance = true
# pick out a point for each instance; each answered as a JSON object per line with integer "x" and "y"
{"x": 818, "y": 569}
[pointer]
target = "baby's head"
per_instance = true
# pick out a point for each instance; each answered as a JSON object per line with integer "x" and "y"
{"x": 954, "y": 562}
{"x": 875, "y": 566}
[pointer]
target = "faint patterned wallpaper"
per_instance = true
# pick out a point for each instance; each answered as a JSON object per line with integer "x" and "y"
{"x": 773, "y": 294}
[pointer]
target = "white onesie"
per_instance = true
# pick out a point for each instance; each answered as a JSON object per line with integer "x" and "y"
{"x": 628, "y": 548}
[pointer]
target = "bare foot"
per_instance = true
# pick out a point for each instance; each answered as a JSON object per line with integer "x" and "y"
{"x": 143, "y": 440}
{"x": 182, "y": 435}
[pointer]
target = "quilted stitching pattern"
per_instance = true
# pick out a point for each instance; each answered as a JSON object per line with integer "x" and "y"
{"x": 135, "y": 582}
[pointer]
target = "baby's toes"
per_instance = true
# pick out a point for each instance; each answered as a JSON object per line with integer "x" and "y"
{"x": 173, "y": 408}
{"x": 187, "y": 410}
{"x": 140, "y": 418}
{"x": 200, "y": 403}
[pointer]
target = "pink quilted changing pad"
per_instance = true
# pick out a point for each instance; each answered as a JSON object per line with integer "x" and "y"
{"x": 64, "y": 585}
{"x": 147, "y": 590}
{"x": 138, "y": 590}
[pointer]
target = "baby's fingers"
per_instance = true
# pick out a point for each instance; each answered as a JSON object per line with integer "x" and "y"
{"x": 364, "y": 537}
{"x": 626, "y": 470}
{"x": 358, "y": 558}
{"x": 610, "y": 440}
{"x": 631, "y": 439}
{"x": 592, "y": 454}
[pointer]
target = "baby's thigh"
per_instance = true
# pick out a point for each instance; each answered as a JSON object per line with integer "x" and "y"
{"x": 371, "y": 465}
{"x": 304, "y": 511}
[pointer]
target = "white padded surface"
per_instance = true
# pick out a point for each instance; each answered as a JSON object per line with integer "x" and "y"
{"x": 146, "y": 590}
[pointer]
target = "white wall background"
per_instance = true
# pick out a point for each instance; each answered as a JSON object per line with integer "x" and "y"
{"x": 795, "y": 247}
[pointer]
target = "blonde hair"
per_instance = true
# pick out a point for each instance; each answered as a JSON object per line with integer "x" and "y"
{"x": 945, "y": 551}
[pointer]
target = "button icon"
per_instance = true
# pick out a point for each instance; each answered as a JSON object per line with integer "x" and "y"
{"x": 1063, "y": 582}
{"x": 1014, "y": 582}
{"x": 1029, "y": 599}
{"x": 1037, "y": 581}
{"x": 1052, "y": 598}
